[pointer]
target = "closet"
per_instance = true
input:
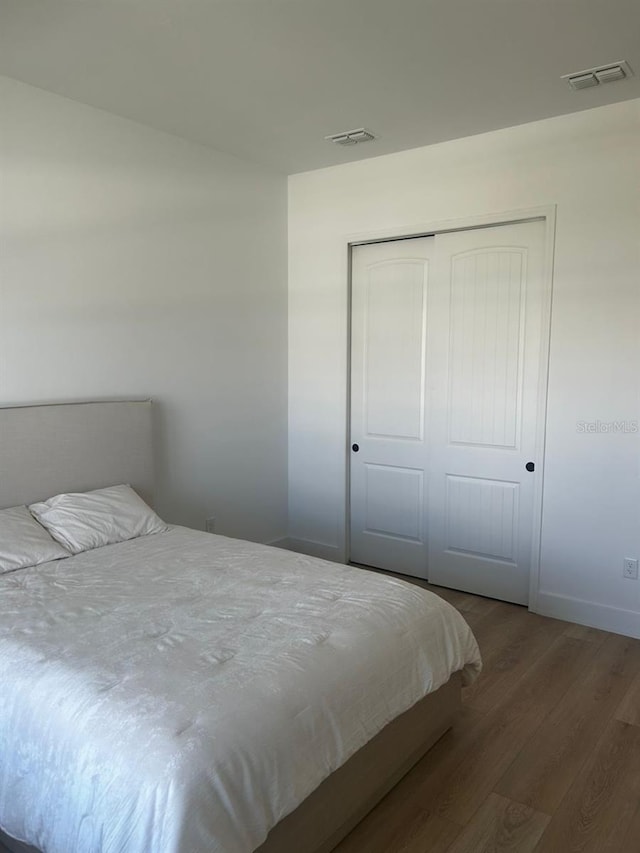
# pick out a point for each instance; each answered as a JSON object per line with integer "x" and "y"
{"x": 447, "y": 386}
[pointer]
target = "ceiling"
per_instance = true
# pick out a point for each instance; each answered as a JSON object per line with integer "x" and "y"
{"x": 267, "y": 80}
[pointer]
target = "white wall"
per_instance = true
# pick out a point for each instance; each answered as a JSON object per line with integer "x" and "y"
{"x": 133, "y": 263}
{"x": 588, "y": 164}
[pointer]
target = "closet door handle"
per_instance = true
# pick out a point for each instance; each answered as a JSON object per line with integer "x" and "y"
{"x": 355, "y": 447}
{"x": 530, "y": 466}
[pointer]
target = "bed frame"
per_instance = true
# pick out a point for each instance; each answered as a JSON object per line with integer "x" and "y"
{"x": 62, "y": 447}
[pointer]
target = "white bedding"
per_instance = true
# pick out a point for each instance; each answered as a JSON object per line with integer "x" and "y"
{"x": 183, "y": 692}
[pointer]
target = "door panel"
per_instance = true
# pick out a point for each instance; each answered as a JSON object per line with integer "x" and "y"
{"x": 388, "y": 346}
{"x": 403, "y": 518}
{"x": 486, "y": 341}
{"x": 394, "y": 343}
{"x": 484, "y": 358}
{"x": 482, "y": 517}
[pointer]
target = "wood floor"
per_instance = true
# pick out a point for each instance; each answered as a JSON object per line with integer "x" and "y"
{"x": 544, "y": 758}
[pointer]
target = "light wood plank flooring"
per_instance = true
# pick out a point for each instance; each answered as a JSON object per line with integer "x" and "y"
{"x": 545, "y": 755}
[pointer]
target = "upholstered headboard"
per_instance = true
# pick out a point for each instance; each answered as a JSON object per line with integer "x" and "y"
{"x": 74, "y": 447}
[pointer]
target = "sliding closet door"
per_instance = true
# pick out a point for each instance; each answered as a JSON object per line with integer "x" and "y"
{"x": 485, "y": 355}
{"x": 390, "y": 287}
{"x": 446, "y": 354}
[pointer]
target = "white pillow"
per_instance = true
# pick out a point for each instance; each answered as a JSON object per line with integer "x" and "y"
{"x": 84, "y": 520}
{"x": 24, "y": 542}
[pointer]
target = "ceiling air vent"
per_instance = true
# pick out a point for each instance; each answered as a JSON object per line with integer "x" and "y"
{"x": 351, "y": 137}
{"x": 601, "y": 74}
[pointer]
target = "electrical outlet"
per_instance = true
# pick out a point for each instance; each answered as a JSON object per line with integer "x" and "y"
{"x": 630, "y": 568}
{"x": 210, "y": 526}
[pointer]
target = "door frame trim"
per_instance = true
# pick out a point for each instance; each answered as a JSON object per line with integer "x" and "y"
{"x": 470, "y": 223}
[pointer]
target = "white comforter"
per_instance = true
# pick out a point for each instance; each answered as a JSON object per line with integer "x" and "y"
{"x": 184, "y": 692}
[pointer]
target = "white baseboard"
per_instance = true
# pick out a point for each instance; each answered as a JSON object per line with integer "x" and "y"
{"x": 278, "y": 543}
{"x": 312, "y": 549}
{"x": 614, "y": 619}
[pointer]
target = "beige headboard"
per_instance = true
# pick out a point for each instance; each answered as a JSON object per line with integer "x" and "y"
{"x": 74, "y": 447}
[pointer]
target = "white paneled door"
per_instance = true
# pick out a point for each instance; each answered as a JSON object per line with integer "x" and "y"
{"x": 447, "y": 337}
{"x": 390, "y": 287}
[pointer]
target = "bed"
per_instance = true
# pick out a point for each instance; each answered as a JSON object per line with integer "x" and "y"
{"x": 182, "y": 692}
